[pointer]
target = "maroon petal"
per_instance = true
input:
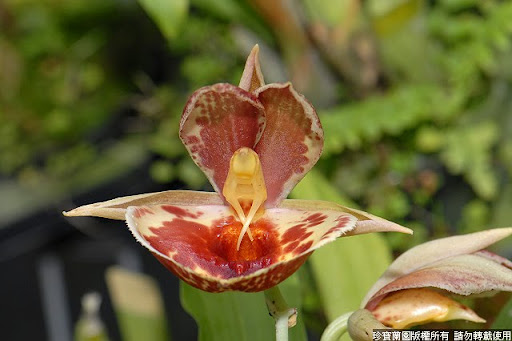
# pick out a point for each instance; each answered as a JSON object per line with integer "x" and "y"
{"x": 292, "y": 141}
{"x": 216, "y": 121}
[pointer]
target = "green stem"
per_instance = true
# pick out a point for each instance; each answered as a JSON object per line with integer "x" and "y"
{"x": 336, "y": 328}
{"x": 284, "y": 316}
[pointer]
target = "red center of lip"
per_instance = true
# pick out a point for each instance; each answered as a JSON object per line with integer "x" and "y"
{"x": 264, "y": 245}
{"x": 213, "y": 248}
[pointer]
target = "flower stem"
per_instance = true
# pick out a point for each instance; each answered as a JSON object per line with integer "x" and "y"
{"x": 336, "y": 328}
{"x": 284, "y": 316}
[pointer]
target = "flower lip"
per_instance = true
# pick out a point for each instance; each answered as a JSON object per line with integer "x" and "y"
{"x": 320, "y": 221}
{"x": 199, "y": 243}
{"x": 214, "y": 248}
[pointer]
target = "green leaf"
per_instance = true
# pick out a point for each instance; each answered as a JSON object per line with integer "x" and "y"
{"x": 467, "y": 151}
{"x": 402, "y": 108}
{"x": 504, "y": 318}
{"x": 237, "y": 315}
{"x": 136, "y": 326}
{"x": 168, "y": 15}
{"x": 346, "y": 269}
{"x": 315, "y": 186}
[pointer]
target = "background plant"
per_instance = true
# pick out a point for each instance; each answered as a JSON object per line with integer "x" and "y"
{"x": 414, "y": 97}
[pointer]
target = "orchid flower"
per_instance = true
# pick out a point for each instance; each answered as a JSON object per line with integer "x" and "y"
{"x": 254, "y": 142}
{"x": 414, "y": 289}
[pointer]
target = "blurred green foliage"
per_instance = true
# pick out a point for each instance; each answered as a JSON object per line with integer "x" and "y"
{"x": 415, "y": 96}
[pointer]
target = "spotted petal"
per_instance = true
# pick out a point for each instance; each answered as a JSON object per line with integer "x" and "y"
{"x": 291, "y": 142}
{"x": 366, "y": 222}
{"x": 198, "y": 243}
{"x": 218, "y": 120}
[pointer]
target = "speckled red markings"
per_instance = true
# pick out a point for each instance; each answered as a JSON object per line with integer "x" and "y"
{"x": 202, "y": 249}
